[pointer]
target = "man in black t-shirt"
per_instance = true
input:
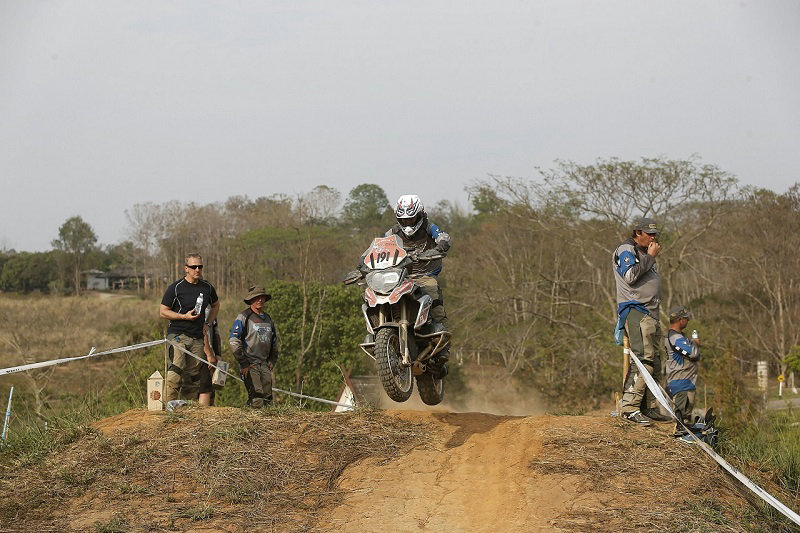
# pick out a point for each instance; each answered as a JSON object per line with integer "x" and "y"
{"x": 186, "y": 375}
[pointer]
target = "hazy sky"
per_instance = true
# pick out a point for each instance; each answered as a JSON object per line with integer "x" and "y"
{"x": 106, "y": 104}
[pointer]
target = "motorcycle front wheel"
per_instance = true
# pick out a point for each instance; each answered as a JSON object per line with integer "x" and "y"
{"x": 396, "y": 380}
{"x": 431, "y": 390}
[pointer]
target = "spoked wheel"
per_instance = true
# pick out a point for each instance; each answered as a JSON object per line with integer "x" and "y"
{"x": 396, "y": 380}
{"x": 431, "y": 389}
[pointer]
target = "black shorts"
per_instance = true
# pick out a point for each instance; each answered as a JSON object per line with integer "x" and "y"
{"x": 205, "y": 370}
{"x": 205, "y": 379}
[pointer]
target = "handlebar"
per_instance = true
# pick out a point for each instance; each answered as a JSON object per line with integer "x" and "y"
{"x": 427, "y": 255}
{"x": 352, "y": 277}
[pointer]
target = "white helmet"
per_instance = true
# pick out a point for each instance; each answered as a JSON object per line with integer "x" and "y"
{"x": 409, "y": 213}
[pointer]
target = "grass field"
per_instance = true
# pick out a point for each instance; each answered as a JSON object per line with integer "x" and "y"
{"x": 45, "y": 327}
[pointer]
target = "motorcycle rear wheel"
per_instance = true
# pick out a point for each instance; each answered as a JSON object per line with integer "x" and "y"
{"x": 430, "y": 389}
{"x": 396, "y": 380}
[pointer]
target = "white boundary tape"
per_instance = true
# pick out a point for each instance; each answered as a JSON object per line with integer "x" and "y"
{"x": 758, "y": 491}
{"x": 92, "y": 353}
{"x": 322, "y": 400}
{"x": 187, "y": 352}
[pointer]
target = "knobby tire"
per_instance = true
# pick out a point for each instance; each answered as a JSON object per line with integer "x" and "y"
{"x": 387, "y": 354}
{"x": 430, "y": 389}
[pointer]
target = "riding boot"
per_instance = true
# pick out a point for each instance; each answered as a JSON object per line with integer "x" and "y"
{"x": 439, "y": 370}
{"x": 438, "y": 363}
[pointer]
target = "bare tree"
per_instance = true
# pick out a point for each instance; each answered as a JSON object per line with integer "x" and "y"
{"x": 759, "y": 267}
{"x": 319, "y": 206}
{"x": 310, "y": 269}
{"x": 687, "y": 199}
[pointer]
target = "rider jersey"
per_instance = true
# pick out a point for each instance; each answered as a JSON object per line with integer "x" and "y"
{"x": 682, "y": 357}
{"x": 254, "y": 339}
{"x": 427, "y": 237}
{"x": 636, "y": 275}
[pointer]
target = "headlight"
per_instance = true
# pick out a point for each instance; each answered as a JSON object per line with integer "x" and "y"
{"x": 383, "y": 281}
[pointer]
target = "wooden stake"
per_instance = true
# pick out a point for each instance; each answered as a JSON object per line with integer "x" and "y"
{"x": 164, "y": 381}
{"x": 626, "y": 362}
{"x": 626, "y": 359}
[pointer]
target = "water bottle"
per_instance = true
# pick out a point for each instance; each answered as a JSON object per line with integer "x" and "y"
{"x": 695, "y": 336}
{"x": 198, "y": 306}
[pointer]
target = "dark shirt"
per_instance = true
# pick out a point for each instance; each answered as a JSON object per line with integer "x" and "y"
{"x": 181, "y": 297}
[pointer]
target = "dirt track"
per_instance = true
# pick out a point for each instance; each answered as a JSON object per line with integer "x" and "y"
{"x": 430, "y": 472}
{"x": 476, "y": 478}
{"x": 546, "y": 473}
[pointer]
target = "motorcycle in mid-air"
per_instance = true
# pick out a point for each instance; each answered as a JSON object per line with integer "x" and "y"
{"x": 402, "y": 337}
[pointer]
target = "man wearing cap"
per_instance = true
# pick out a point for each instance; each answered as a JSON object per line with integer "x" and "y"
{"x": 682, "y": 357}
{"x": 638, "y": 298}
{"x": 254, "y": 342}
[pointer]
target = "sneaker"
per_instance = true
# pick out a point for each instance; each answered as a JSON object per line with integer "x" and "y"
{"x": 637, "y": 417}
{"x": 174, "y": 404}
{"x": 679, "y": 432}
{"x": 655, "y": 414}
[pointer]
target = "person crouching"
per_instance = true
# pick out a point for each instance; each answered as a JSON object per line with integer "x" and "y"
{"x": 682, "y": 357}
{"x": 254, "y": 342}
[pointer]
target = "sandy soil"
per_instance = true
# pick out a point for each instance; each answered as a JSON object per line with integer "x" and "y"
{"x": 475, "y": 479}
{"x": 496, "y": 473}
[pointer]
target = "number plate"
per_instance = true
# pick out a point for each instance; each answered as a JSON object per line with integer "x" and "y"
{"x": 385, "y": 252}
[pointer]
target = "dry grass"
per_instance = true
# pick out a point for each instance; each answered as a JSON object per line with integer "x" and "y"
{"x": 689, "y": 491}
{"x": 53, "y": 326}
{"x": 220, "y": 468}
{"x": 40, "y": 328}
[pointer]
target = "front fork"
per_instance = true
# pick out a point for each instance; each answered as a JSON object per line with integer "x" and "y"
{"x": 402, "y": 332}
{"x": 418, "y": 366}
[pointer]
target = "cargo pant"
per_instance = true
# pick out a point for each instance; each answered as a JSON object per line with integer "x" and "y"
{"x": 644, "y": 333}
{"x": 684, "y": 404}
{"x": 430, "y": 285}
{"x": 184, "y": 371}
{"x": 258, "y": 383}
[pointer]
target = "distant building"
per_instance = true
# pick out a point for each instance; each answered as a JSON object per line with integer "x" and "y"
{"x": 97, "y": 280}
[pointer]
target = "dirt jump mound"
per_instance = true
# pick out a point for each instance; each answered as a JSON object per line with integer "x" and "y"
{"x": 225, "y": 469}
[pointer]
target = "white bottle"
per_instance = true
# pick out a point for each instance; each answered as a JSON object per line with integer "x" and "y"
{"x": 198, "y": 306}
{"x": 695, "y": 336}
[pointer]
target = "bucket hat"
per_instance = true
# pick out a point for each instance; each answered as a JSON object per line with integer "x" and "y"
{"x": 254, "y": 292}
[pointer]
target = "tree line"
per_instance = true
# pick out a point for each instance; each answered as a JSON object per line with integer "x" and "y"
{"x": 528, "y": 283}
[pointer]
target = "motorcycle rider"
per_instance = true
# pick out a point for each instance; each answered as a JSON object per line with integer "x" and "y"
{"x": 422, "y": 238}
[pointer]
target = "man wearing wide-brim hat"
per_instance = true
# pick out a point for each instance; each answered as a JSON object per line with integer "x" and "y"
{"x": 254, "y": 342}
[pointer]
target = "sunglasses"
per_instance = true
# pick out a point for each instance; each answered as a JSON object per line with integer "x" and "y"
{"x": 195, "y": 267}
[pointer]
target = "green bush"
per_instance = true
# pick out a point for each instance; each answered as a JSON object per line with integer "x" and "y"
{"x": 333, "y": 342}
